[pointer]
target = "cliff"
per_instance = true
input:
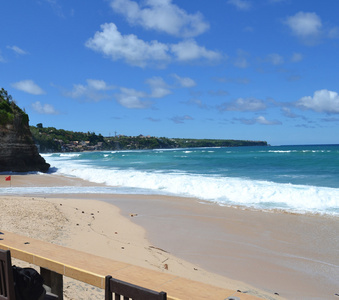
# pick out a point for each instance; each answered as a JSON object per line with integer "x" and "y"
{"x": 18, "y": 152}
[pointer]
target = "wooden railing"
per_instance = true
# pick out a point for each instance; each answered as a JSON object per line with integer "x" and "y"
{"x": 56, "y": 261}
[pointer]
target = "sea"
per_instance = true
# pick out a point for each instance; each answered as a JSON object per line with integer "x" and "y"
{"x": 298, "y": 179}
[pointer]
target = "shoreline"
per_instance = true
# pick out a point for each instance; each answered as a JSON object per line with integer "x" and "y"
{"x": 276, "y": 252}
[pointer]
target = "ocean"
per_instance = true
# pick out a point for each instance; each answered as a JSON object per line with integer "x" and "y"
{"x": 300, "y": 179}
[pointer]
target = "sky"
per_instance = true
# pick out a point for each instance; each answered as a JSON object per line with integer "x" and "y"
{"x": 223, "y": 69}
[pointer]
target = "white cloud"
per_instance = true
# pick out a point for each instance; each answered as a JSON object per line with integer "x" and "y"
{"x": 139, "y": 53}
{"x": 128, "y": 47}
{"x": 185, "y": 81}
{"x": 309, "y": 29}
{"x": 17, "y": 50}
{"x": 159, "y": 87}
{"x": 240, "y": 4}
{"x": 322, "y": 101}
{"x": 288, "y": 113}
{"x": 243, "y": 104}
{"x": 99, "y": 85}
{"x": 94, "y": 90}
{"x": 131, "y": 98}
{"x": 46, "y": 109}
{"x": 189, "y": 50}
{"x": 305, "y": 25}
{"x": 161, "y": 15}
{"x": 28, "y": 86}
{"x": 263, "y": 121}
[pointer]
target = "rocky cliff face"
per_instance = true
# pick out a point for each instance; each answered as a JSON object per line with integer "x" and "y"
{"x": 18, "y": 152}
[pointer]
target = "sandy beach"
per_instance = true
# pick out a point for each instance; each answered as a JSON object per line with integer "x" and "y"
{"x": 263, "y": 253}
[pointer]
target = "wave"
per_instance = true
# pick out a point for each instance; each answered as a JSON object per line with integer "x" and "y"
{"x": 214, "y": 188}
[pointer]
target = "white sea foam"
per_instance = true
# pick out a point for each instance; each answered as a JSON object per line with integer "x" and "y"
{"x": 281, "y": 151}
{"x": 70, "y": 154}
{"x": 222, "y": 190}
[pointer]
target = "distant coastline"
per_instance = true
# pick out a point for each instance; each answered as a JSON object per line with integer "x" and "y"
{"x": 50, "y": 139}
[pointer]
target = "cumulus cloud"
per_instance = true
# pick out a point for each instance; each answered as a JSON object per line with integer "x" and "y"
{"x": 17, "y": 50}
{"x": 28, "y": 86}
{"x": 262, "y": 120}
{"x": 134, "y": 51}
{"x": 308, "y": 27}
{"x": 44, "y": 109}
{"x": 189, "y": 50}
{"x": 159, "y": 88}
{"x": 243, "y": 104}
{"x": 137, "y": 52}
{"x": 98, "y": 85}
{"x": 181, "y": 119}
{"x": 305, "y": 25}
{"x": 323, "y": 101}
{"x": 185, "y": 81}
{"x": 240, "y": 4}
{"x": 161, "y": 15}
{"x": 131, "y": 98}
{"x": 288, "y": 113}
{"x": 93, "y": 90}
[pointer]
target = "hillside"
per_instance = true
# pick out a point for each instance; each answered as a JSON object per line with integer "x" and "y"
{"x": 50, "y": 139}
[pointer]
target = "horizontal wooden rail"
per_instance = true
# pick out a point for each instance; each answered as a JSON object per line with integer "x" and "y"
{"x": 56, "y": 260}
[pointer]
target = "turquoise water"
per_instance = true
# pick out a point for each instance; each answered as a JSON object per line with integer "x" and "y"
{"x": 293, "y": 178}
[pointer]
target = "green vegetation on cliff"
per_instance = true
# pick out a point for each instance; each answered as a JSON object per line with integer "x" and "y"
{"x": 10, "y": 113}
{"x": 18, "y": 152}
{"x": 50, "y": 139}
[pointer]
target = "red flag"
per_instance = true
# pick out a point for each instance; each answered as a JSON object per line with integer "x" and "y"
{"x": 8, "y": 178}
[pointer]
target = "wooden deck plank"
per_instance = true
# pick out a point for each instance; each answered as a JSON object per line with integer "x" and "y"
{"x": 92, "y": 269}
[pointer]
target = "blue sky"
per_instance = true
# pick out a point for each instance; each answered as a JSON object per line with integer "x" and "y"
{"x": 228, "y": 69}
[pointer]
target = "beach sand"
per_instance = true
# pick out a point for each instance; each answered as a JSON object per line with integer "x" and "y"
{"x": 295, "y": 256}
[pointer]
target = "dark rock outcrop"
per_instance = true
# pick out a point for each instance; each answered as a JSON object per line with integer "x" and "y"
{"x": 18, "y": 153}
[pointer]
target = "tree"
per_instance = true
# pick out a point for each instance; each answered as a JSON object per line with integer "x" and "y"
{"x": 4, "y": 96}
